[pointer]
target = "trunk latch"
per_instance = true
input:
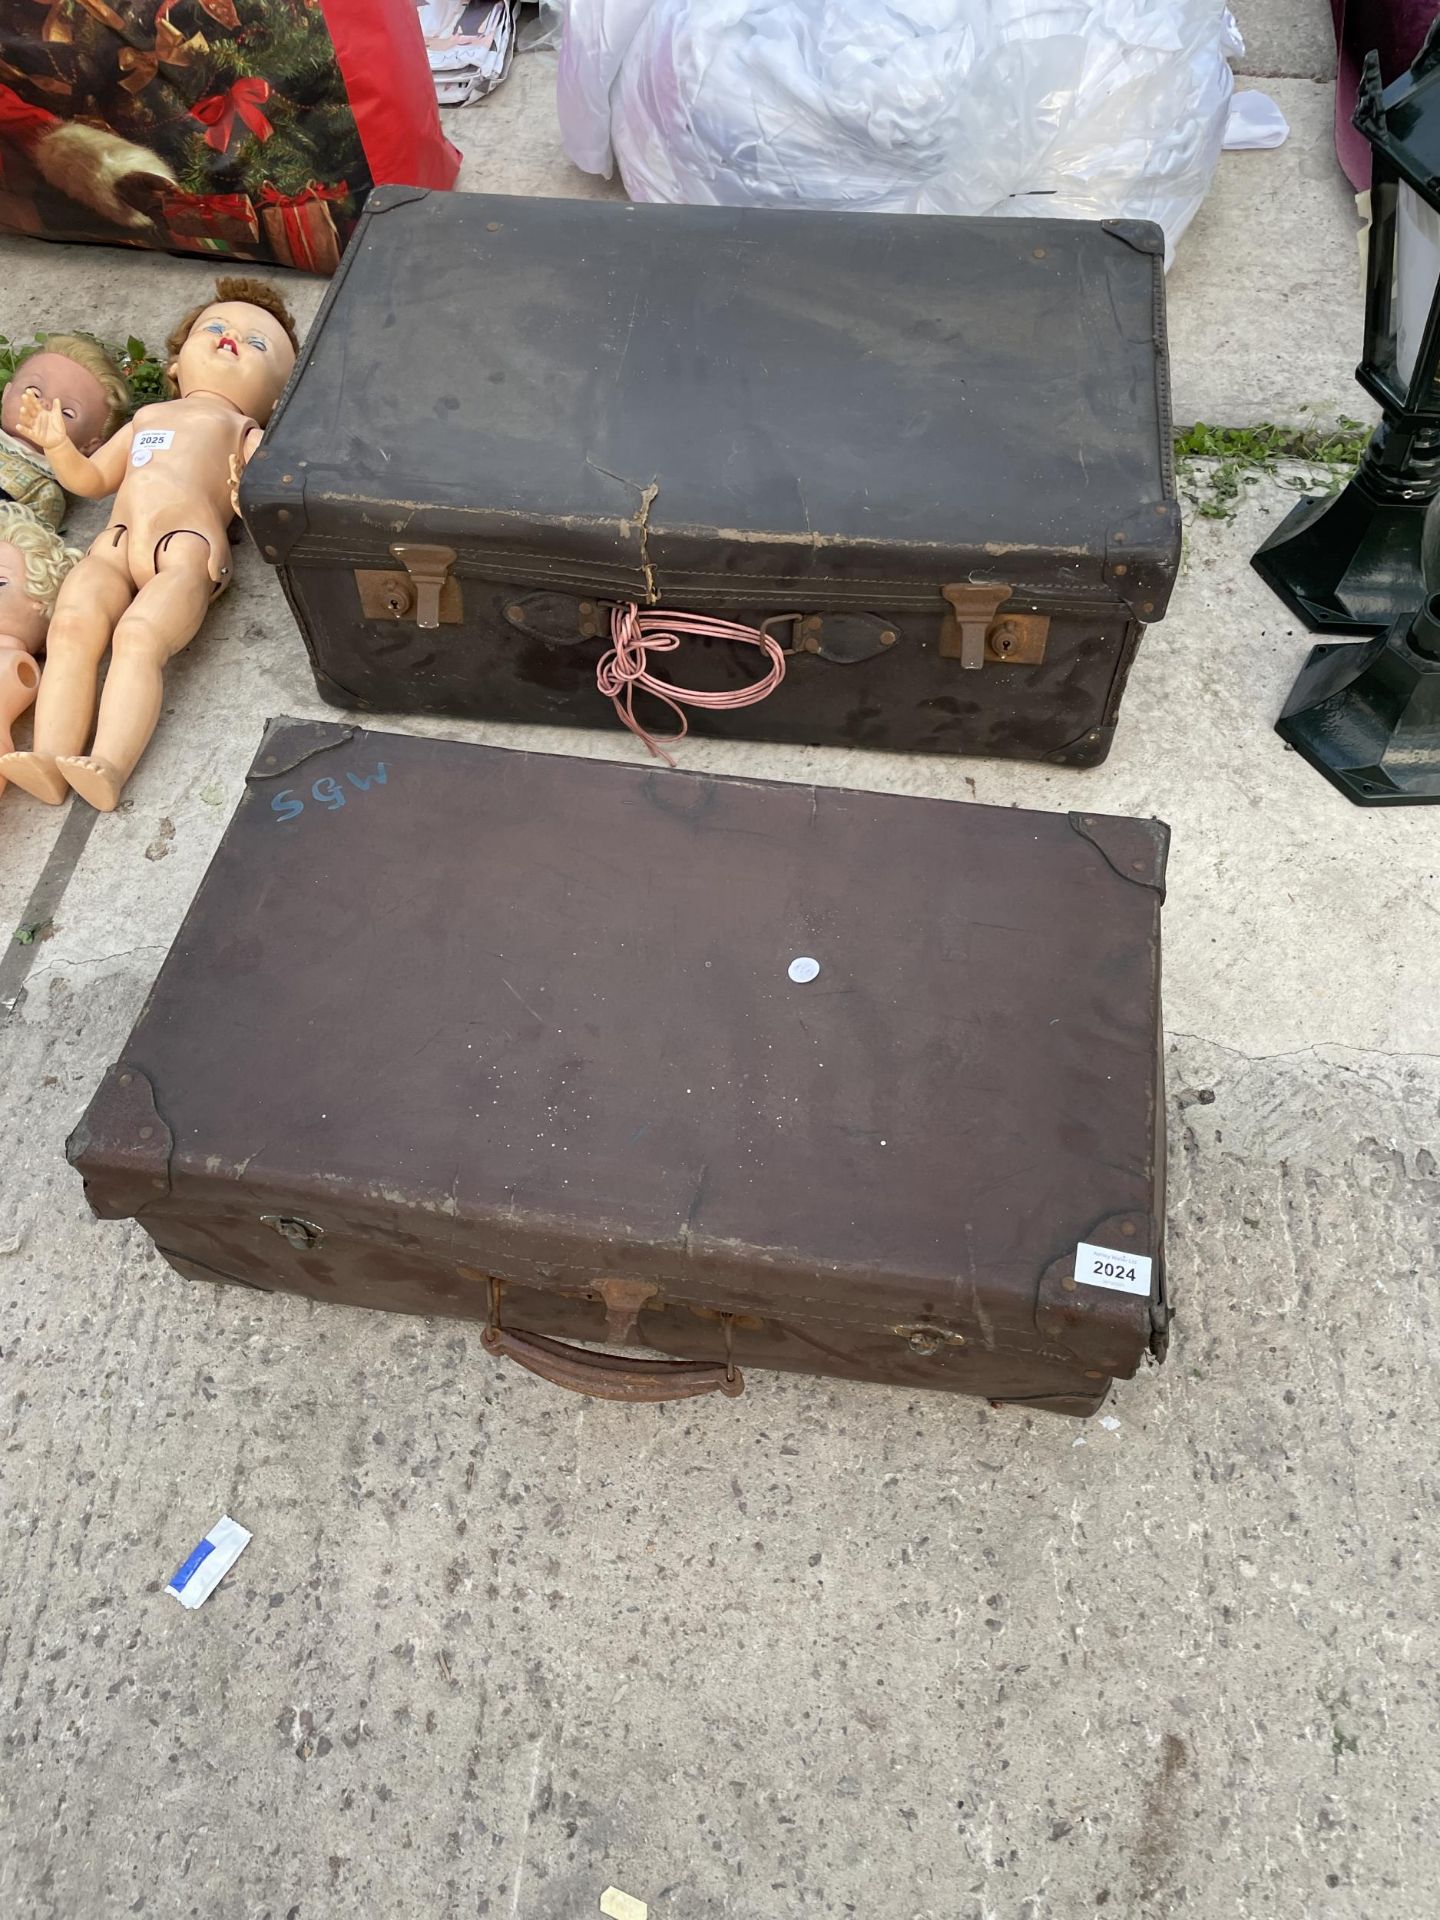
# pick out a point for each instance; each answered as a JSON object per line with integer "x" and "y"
{"x": 973, "y": 631}
{"x": 426, "y": 591}
{"x": 623, "y": 1301}
{"x": 302, "y": 1235}
{"x": 927, "y": 1340}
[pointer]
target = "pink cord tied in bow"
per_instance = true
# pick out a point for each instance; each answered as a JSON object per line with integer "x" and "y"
{"x": 634, "y": 635}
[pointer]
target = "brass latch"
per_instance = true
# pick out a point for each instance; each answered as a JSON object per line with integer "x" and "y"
{"x": 426, "y": 589}
{"x": 973, "y": 632}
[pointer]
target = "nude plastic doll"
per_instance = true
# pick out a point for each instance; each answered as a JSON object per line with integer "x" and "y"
{"x": 33, "y": 562}
{"x": 144, "y": 586}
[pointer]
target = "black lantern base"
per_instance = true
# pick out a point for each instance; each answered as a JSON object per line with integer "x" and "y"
{"x": 1368, "y": 717}
{"x": 1347, "y": 563}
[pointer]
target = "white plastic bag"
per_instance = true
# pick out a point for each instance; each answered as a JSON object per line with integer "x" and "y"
{"x": 545, "y": 30}
{"x": 1095, "y": 109}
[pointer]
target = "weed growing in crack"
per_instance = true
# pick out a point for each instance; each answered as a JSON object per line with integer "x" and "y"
{"x": 1214, "y": 465}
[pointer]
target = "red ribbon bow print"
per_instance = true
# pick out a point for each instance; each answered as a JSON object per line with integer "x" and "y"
{"x": 271, "y": 196}
{"x": 241, "y": 102}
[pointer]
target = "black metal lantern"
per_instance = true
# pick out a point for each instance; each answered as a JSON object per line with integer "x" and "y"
{"x": 1351, "y": 563}
{"x": 1367, "y": 713}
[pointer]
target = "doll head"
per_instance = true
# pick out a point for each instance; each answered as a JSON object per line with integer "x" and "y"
{"x": 241, "y": 345}
{"x": 82, "y": 376}
{"x": 33, "y": 562}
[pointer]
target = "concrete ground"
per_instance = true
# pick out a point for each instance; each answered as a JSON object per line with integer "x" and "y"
{"x": 822, "y": 1651}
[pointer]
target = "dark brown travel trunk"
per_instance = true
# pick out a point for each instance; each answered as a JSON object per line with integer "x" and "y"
{"x": 456, "y": 1030}
{"x": 934, "y": 455}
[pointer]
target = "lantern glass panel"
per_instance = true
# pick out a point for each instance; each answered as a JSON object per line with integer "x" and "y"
{"x": 1417, "y": 275}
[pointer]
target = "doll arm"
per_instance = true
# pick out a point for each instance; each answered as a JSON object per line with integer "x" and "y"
{"x": 89, "y": 476}
{"x": 101, "y": 472}
{"x": 239, "y": 462}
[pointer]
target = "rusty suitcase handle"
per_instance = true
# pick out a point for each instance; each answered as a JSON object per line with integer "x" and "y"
{"x": 609, "y": 1376}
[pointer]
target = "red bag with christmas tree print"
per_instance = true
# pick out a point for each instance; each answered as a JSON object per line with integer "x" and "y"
{"x": 243, "y": 129}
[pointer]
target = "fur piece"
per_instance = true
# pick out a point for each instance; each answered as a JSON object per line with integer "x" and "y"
{"x": 103, "y": 172}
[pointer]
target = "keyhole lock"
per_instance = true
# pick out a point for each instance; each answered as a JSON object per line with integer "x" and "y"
{"x": 1004, "y": 640}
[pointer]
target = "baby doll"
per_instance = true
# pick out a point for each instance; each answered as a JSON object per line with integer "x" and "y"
{"x": 33, "y": 562}
{"x": 143, "y": 587}
{"x": 78, "y": 375}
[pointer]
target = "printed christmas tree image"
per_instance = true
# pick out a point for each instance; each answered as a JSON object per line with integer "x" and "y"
{"x": 300, "y": 129}
{"x": 240, "y": 101}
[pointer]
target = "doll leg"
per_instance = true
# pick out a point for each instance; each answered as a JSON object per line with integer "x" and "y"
{"x": 19, "y": 677}
{"x": 93, "y": 597}
{"x": 164, "y": 616}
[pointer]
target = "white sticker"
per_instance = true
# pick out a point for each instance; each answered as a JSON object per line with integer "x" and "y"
{"x": 147, "y": 444}
{"x": 1104, "y": 1267}
{"x": 803, "y": 970}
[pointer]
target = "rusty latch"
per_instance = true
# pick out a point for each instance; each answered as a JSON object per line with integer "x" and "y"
{"x": 623, "y": 1301}
{"x": 927, "y": 1339}
{"x": 427, "y": 588}
{"x": 963, "y": 629}
{"x": 972, "y": 633}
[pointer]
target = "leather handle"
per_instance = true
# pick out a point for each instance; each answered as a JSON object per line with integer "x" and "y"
{"x": 608, "y": 1376}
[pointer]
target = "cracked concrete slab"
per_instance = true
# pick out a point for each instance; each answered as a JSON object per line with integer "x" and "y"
{"x": 1266, "y": 298}
{"x": 821, "y": 1651}
{"x": 1290, "y": 39}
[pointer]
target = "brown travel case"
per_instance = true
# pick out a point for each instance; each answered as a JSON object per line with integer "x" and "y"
{"x": 930, "y": 457}
{"x": 464, "y": 1031}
